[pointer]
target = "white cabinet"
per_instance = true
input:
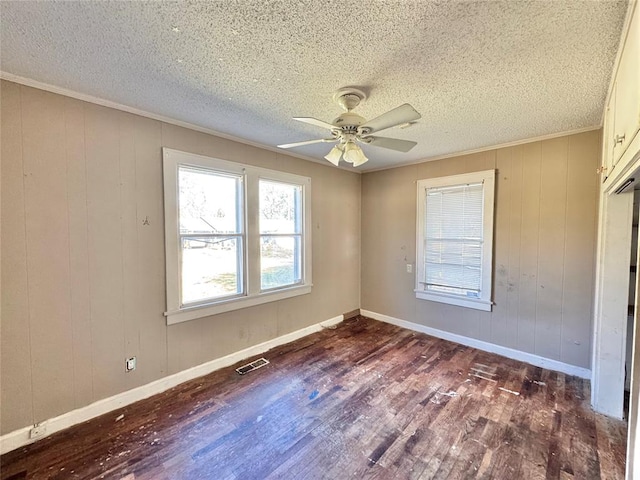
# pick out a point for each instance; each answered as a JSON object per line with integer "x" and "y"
{"x": 622, "y": 115}
{"x": 627, "y": 106}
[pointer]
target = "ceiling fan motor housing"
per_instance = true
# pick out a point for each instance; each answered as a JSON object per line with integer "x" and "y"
{"x": 350, "y": 120}
{"x": 348, "y": 124}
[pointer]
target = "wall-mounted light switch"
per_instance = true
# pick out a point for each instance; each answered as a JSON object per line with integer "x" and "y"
{"x": 130, "y": 364}
{"x": 409, "y": 268}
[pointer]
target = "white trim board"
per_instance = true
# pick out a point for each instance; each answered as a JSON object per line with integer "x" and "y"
{"x": 530, "y": 358}
{"x": 20, "y": 437}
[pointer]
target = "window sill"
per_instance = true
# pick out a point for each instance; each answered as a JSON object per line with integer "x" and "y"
{"x": 199, "y": 311}
{"x": 477, "y": 304}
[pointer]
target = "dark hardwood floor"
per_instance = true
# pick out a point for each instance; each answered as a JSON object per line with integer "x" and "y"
{"x": 366, "y": 400}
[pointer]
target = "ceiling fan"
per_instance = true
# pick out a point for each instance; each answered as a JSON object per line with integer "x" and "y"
{"x": 349, "y": 129}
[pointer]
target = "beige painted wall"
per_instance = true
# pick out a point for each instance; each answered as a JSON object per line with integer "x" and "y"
{"x": 83, "y": 277}
{"x": 544, "y": 247}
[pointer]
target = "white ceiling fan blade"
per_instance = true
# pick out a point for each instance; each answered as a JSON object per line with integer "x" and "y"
{"x": 315, "y": 121}
{"x": 390, "y": 143}
{"x": 307, "y": 142}
{"x": 399, "y": 115}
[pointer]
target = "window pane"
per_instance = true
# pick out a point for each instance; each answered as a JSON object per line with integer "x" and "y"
{"x": 457, "y": 265}
{"x": 280, "y": 207}
{"x": 454, "y": 263}
{"x": 453, "y": 242}
{"x": 209, "y": 202}
{"x": 211, "y": 268}
{"x": 280, "y": 261}
{"x": 455, "y": 212}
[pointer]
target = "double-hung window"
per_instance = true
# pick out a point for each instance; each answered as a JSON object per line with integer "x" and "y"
{"x": 211, "y": 234}
{"x": 235, "y": 235}
{"x": 280, "y": 234}
{"x": 455, "y": 239}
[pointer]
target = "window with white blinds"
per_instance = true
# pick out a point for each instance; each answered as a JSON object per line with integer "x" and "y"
{"x": 455, "y": 230}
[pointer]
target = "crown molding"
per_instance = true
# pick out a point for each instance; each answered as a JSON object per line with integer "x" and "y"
{"x": 491, "y": 147}
{"x": 28, "y": 82}
{"x": 136, "y": 111}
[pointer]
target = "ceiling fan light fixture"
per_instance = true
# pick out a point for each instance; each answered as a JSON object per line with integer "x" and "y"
{"x": 361, "y": 158}
{"x": 354, "y": 154}
{"x": 349, "y": 151}
{"x": 334, "y": 155}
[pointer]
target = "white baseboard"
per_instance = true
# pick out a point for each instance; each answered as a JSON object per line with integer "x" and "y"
{"x": 20, "y": 438}
{"x": 530, "y": 358}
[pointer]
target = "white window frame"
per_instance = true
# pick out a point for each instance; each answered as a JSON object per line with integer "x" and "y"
{"x": 253, "y": 295}
{"x": 487, "y": 178}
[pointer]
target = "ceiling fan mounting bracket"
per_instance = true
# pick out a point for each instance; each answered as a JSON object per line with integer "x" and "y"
{"x": 349, "y": 97}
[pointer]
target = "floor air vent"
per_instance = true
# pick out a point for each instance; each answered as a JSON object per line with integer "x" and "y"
{"x": 249, "y": 367}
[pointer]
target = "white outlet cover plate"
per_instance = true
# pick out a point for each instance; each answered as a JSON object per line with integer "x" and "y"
{"x": 37, "y": 431}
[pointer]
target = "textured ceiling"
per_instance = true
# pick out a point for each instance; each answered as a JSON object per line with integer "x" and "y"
{"x": 481, "y": 73}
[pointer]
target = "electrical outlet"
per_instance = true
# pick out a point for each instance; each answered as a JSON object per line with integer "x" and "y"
{"x": 409, "y": 268}
{"x": 130, "y": 364}
{"x": 37, "y": 431}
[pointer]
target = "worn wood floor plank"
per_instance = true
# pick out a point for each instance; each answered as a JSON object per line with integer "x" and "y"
{"x": 366, "y": 400}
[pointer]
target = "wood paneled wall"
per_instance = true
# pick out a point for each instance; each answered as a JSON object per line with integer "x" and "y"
{"x": 544, "y": 247}
{"x": 83, "y": 274}
{"x": 82, "y": 252}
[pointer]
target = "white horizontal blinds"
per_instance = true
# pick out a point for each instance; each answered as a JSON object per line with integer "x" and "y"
{"x": 453, "y": 239}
